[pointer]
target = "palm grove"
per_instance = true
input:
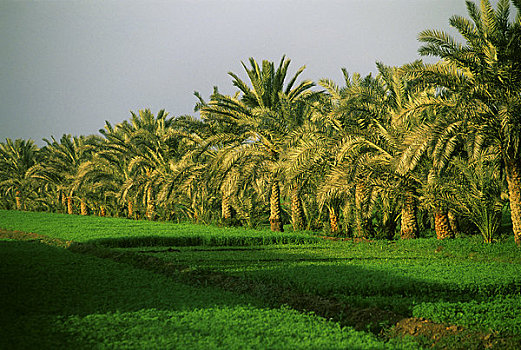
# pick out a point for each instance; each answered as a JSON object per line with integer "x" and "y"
{"x": 414, "y": 148}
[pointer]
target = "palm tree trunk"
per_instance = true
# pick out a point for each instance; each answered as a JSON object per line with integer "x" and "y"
{"x": 275, "y": 209}
{"x": 297, "y": 213}
{"x": 453, "y": 222}
{"x": 70, "y": 209}
{"x": 194, "y": 210}
{"x": 102, "y": 211}
{"x": 333, "y": 221}
{"x": 226, "y": 208}
{"x": 442, "y": 224}
{"x": 64, "y": 199}
{"x": 83, "y": 207}
{"x": 130, "y": 209}
{"x": 150, "y": 204}
{"x": 362, "y": 222}
{"x": 409, "y": 222}
{"x": 513, "y": 172}
{"x": 18, "y": 200}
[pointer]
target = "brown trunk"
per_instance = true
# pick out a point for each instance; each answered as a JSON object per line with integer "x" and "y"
{"x": 275, "y": 209}
{"x": 409, "y": 223}
{"x": 18, "y": 200}
{"x": 361, "y": 218}
{"x": 513, "y": 172}
{"x": 102, "y": 211}
{"x": 70, "y": 209}
{"x": 333, "y": 221}
{"x": 64, "y": 200}
{"x": 297, "y": 213}
{"x": 130, "y": 209}
{"x": 83, "y": 208}
{"x": 453, "y": 222}
{"x": 442, "y": 224}
{"x": 226, "y": 208}
{"x": 150, "y": 204}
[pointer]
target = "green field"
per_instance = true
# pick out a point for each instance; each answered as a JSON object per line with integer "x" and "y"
{"x": 137, "y": 284}
{"x": 116, "y": 232}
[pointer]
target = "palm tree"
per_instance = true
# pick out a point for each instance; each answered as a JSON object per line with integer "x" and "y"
{"x": 316, "y": 155}
{"x": 478, "y": 193}
{"x": 59, "y": 167}
{"x": 257, "y": 110}
{"x": 377, "y": 144}
{"x": 16, "y": 158}
{"x": 484, "y": 74}
{"x": 423, "y": 150}
{"x": 139, "y": 143}
{"x": 110, "y": 166}
{"x": 105, "y": 175}
{"x": 186, "y": 182}
{"x": 220, "y": 137}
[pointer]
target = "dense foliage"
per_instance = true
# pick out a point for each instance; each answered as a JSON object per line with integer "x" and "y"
{"x": 412, "y": 150}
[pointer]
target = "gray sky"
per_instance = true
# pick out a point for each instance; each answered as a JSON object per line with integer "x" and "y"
{"x": 67, "y": 66}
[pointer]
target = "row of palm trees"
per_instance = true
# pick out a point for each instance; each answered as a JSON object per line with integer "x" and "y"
{"x": 413, "y": 147}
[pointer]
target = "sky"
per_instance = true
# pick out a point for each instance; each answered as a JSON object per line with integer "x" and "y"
{"x": 66, "y": 67}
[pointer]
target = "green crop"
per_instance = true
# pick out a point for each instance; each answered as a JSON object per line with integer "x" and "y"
{"x": 52, "y": 298}
{"x": 459, "y": 282}
{"x": 378, "y": 275}
{"x": 237, "y": 327}
{"x": 500, "y": 313}
{"x": 116, "y": 232}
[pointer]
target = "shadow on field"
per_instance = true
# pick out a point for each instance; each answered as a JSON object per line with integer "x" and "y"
{"x": 198, "y": 240}
{"x": 390, "y": 283}
{"x": 41, "y": 284}
{"x": 144, "y": 241}
{"x": 409, "y": 279}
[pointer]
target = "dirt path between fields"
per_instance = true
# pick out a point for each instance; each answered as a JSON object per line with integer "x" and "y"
{"x": 381, "y": 322}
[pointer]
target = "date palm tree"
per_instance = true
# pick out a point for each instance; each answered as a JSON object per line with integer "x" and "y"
{"x": 484, "y": 76}
{"x": 138, "y": 143}
{"x": 479, "y": 192}
{"x": 219, "y": 137}
{"x": 257, "y": 109}
{"x": 16, "y": 158}
{"x": 184, "y": 180}
{"x": 104, "y": 174}
{"x": 110, "y": 167}
{"x": 317, "y": 153}
{"x": 59, "y": 166}
{"x": 376, "y": 146}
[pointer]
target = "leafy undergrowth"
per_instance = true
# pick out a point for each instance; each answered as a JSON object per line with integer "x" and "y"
{"x": 500, "y": 313}
{"x": 53, "y": 298}
{"x": 117, "y": 232}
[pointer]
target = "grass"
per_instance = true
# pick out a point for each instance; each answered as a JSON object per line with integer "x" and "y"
{"x": 459, "y": 282}
{"x": 116, "y": 232}
{"x": 52, "y": 298}
{"x": 411, "y": 279}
